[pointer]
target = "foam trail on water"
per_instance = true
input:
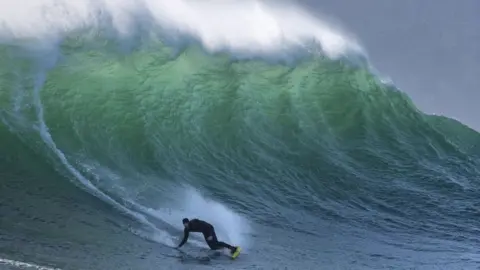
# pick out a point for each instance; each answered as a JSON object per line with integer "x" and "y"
{"x": 247, "y": 27}
{"x": 24, "y": 265}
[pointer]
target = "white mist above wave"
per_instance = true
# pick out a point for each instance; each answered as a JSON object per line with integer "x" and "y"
{"x": 246, "y": 27}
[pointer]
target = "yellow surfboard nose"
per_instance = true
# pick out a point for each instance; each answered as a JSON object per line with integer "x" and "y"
{"x": 236, "y": 253}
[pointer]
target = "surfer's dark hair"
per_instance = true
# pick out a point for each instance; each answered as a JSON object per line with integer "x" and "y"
{"x": 185, "y": 220}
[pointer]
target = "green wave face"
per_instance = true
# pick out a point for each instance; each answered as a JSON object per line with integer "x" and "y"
{"x": 139, "y": 121}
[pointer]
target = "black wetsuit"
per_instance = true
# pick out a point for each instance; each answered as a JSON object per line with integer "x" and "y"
{"x": 196, "y": 225}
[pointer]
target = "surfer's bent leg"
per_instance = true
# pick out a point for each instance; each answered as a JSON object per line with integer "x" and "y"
{"x": 214, "y": 244}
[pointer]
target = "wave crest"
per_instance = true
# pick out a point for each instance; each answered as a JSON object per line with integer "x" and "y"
{"x": 249, "y": 27}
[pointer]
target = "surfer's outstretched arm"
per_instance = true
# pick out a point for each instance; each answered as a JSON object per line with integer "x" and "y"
{"x": 186, "y": 232}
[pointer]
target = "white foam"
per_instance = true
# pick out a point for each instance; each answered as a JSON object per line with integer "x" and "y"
{"x": 25, "y": 265}
{"x": 247, "y": 26}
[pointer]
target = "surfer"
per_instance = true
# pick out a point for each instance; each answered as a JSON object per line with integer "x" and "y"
{"x": 197, "y": 225}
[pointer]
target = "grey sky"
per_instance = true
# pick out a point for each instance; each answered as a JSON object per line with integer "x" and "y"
{"x": 429, "y": 48}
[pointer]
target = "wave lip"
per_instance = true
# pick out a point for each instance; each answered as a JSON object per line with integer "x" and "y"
{"x": 249, "y": 27}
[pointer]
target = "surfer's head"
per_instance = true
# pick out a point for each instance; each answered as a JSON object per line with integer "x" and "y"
{"x": 185, "y": 222}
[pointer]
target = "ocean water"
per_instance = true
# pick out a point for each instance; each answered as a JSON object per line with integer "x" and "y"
{"x": 118, "y": 119}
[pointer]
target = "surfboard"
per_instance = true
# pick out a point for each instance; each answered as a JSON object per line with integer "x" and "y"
{"x": 236, "y": 253}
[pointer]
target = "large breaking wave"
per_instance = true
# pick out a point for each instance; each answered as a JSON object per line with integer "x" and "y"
{"x": 234, "y": 113}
